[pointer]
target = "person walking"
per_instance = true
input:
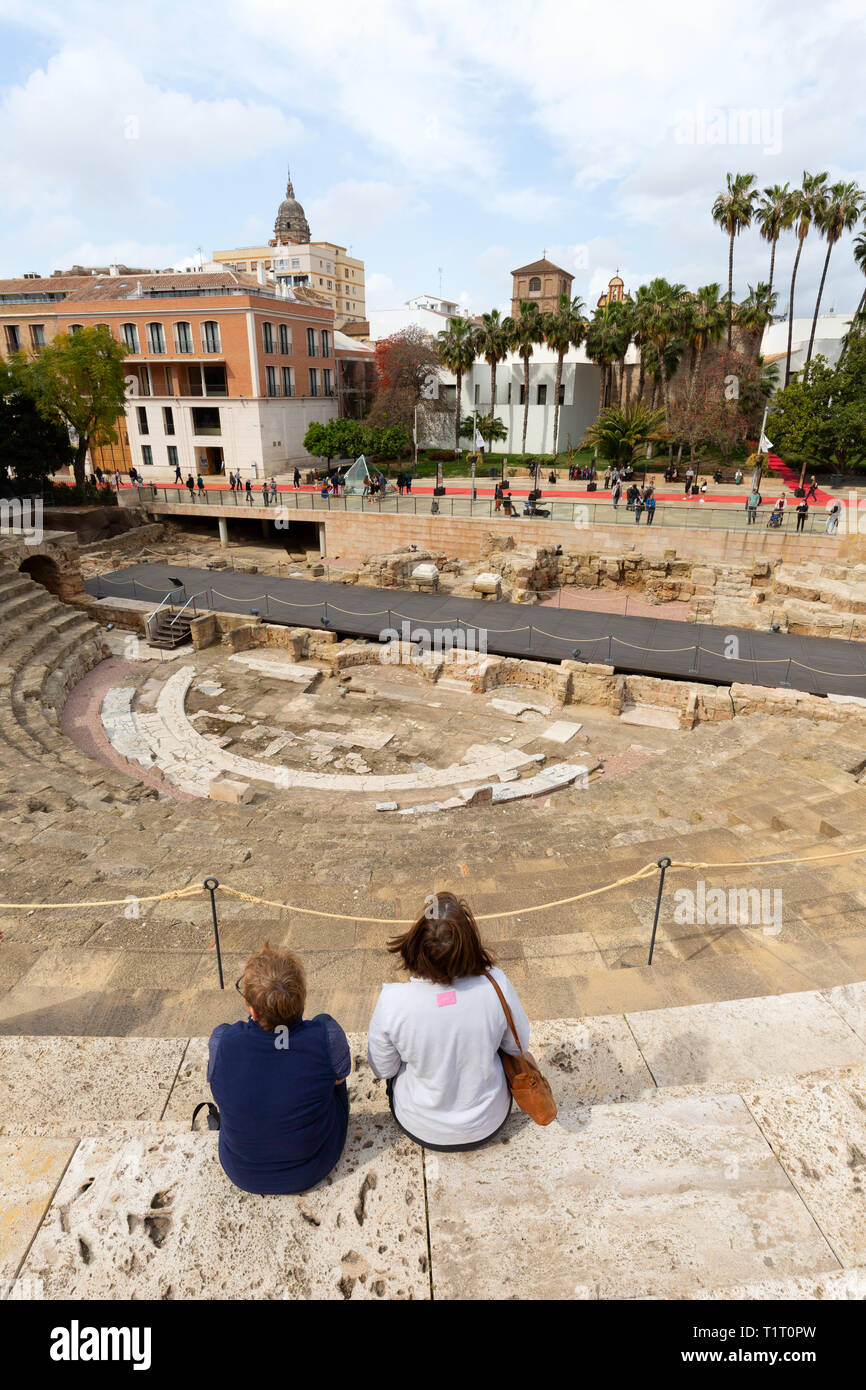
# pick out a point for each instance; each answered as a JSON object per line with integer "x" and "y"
{"x": 232, "y": 481}
{"x": 834, "y": 512}
{"x": 190, "y": 485}
{"x": 607, "y": 480}
{"x": 753, "y": 501}
{"x": 273, "y": 490}
{"x": 812, "y": 494}
{"x": 279, "y": 1081}
{"x": 265, "y": 491}
{"x": 178, "y": 476}
{"x": 436, "y": 1038}
{"x": 248, "y": 489}
{"x": 638, "y": 507}
{"x": 802, "y": 513}
{"x": 296, "y": 479}
{"x": 616, "y": 493}
{"x": 199, "y": 482}
{"x": 690, "y": 477}
{"x": 650, "y": 504}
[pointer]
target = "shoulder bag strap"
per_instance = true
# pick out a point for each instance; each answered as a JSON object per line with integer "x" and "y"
{"x": 507, "y": 1011}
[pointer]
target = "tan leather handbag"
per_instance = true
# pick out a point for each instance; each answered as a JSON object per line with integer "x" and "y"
{"x": 530, "y": 1089}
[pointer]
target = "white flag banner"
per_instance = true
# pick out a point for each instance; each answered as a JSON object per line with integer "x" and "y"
{"x": 765, "y": 445}
{"x": 479, "y": 442}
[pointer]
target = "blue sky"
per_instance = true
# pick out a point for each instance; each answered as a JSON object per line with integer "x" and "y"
{"x": 453, "y": 134}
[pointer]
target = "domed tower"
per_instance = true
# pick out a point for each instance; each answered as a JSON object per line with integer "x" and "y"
{"x": 291, "y": 223}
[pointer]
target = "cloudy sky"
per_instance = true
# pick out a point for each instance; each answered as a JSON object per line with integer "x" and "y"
{"x": 436, "y": 138}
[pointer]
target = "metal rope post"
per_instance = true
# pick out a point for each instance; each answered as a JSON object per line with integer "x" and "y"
{"x": 663, "y": 864}
{"x": 786, "y": 683}
{"x": 212, "y": 884}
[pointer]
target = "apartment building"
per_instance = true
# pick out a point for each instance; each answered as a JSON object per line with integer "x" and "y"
{"x": 222, "y": 372}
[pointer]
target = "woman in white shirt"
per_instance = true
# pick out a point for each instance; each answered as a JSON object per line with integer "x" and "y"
{"x": 436, "y": 1038}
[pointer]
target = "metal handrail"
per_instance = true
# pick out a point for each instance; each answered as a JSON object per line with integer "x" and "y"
{"x": 162, "y": 601}
{"x": 190, "y": 600}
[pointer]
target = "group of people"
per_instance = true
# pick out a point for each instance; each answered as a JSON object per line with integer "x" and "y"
{"x": 638, "y": 498}
{"x": 777, "y": 515}
{"x": 279, "y": 1080}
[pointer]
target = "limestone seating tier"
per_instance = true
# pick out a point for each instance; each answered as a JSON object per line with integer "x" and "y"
{"x": 698, "y": 1152}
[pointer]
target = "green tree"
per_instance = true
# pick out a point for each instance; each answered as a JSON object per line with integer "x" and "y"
{"x": 774, "y": 215}
{"x": 79, "y": 377}
{"x": 821, "y": 416}
{"x": 618, "y": 434}
{"x": 856, "y": 325}
{"x": 32, "y": 445}
{"x": 840, "y": 213}
{"x": 490, "y": 427}
{"x": 661, "y": 312}
{"x": 806, "y": 205}
{"x": 493, "y": 344}
{"x": 564, "y": 328}
{"x": 458, "y": 347}
{"x": 623, "y": 313}
{"x": 732, "y": 211}
{"x": 524, "y": 333}
{"x": 755, "y": 312}
{"x": 603, "y": 346}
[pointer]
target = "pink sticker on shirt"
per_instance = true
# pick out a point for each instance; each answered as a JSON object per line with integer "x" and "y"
{"x": 450, "y": 997}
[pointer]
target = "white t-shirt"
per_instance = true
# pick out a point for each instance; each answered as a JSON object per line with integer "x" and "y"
{"x": 439, "y": 1043}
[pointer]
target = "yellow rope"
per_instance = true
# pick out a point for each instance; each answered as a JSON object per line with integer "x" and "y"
{"x": 645, "y": 872}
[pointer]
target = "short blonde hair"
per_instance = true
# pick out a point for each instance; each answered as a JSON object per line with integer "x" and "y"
{"x": 274, "y": 984}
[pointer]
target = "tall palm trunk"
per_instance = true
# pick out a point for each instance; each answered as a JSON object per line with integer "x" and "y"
{"x": 601, "y": 385}
{"x": 493, "y": 388}
{"x": 730, "y": 290}
{"x": 559, "y": 361}
{"x": 459, "y": 376}
{"x": 525, "y": 400}
{"x": 641, "y": 377}
{"x": 857, "y": 312}
{"x": 693, "y": 385}
{"x": 773, "y": 245}
{"x": 622, "y": 383}
{"x": 818, "y": 301}
{"x": 800, "y": 241}
{"x": 663, "y": 373}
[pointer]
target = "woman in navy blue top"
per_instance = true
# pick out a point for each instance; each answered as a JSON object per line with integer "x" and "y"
{"x": 279, "y": 1081}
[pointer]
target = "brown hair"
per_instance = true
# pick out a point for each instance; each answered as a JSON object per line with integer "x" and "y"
{"x": 274, "y": 984}
{"x": 444, "y": 944}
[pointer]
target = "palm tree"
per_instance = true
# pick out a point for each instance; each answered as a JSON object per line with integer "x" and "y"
{"x": 860, "y": 258}
{"x": 603, "y": 345}
{"x": 840, "y": 213}
{"x": 524, "y": 332}
{"x": 806, "y": 204}
{"x": 705, "y": 315}
{"x": 457, "y": 351}
{"x": 732, "y": 211}
{"x": 618, "y": 435}
{"x": 624, "y": 318}
{"x": 660, "y": 310}
{"x": 756, "y": 311}
{"x": 492, "y": 344}
{"x": 774, "y": 215}
{"x": 564, "y": 328}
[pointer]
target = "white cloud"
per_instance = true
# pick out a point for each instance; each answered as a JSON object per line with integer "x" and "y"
{"x": 355, "y": 209}
{"x": 380, "y": 293}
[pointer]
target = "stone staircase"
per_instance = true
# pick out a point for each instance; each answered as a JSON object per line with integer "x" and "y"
{"x": 712, "y": 1151}
{"x": 170, "y": 630}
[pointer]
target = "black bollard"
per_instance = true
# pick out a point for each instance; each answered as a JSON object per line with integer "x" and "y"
{"x": 663, "y": 864}
{"x": 212, "y": 884}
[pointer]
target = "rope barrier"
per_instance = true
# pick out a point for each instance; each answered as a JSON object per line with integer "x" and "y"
{"x": 646, "y": 871}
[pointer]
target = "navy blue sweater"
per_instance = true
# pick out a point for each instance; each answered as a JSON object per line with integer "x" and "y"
{"x": 283, "y": 1119}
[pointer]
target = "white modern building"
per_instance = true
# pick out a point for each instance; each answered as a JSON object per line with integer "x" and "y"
{"x": 829, "y": 333}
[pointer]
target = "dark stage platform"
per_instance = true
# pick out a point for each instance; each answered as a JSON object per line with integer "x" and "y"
{"x": 648, "y": 646}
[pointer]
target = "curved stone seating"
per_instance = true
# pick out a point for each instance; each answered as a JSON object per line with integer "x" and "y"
{"x": 187, "y": 758}
{"x": 700, "y": 1152}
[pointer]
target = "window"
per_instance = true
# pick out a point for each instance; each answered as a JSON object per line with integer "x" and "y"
{"x": 214, "y": 378}
{"x": 13, "y": 338}
{"x": 541, "y": 395}
{"x": 314, "y": 381}
{"x": 534, "y": 285}
{"x": 311, "y": 342}
{"x": 285, "y": 340}
{"x": 326, "y": 342}
{"x": 347, "y": 303}
{"x": 172, "y": 456}
{"x": 129, "y": 334}
{"x": 76, "y": 327}
{"x": 210, "y": 336}
{"x": 477, "y": 394}
{"x": 37, "y": 335}
{"x": 168, "y": 419}
{"x": 155, "y": 337}
{"x": 142, "y": 421}
{"x": 146, "y": 455}
{"x": 522, "y": 394}
{"x": 142, "y": 375}
{"x": 327, "y": 382}
{"x": 562, "y": 395}
{"x": 206, "y": 419}
{"x": 330, "y": 286}
{"x": 288, "y": 381}
{"x": 182, "y": 337}
{"x": 268, "y": 336}
{"x": 296, "y": 264}
{"x": 271, "y": 380}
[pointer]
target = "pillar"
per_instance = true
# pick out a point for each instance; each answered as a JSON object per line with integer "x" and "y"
{"x": 224, "y": 532}
{"x": 321, "y": 538}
